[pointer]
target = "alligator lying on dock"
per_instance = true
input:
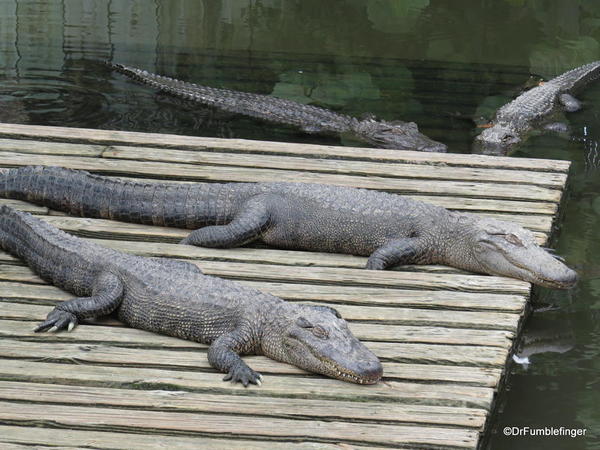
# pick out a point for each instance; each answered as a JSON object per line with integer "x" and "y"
{"x": 174, "y": 298}
{"x": 536, "y": 109}
{"x": 388, "y": 228}
{"x": 310, "y": 119}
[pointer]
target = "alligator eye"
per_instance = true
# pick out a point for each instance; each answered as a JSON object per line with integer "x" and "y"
{"x": 513, "y": 239}
{"x": 507, "y": 137}
{"x": 320, "y": 332}
{"x": 303, "y": 323}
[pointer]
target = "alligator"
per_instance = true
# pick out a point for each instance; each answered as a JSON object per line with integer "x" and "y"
{"x": 390, "y": 229}
{"x": 310, "y": 119}
{"x": 539, "y": 108}
{"x": 175, "y": 298}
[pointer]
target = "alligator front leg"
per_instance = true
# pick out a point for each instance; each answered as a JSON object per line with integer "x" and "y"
{"x": 106, "y": 297}
{"x": 248, "y": 224}
{"x": 570, "y": 103}
{"x": 223, "y": 355}
{"x": 394, "y": 252}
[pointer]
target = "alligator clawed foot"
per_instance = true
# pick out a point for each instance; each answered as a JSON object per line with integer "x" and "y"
{"x": 57, "y": 320}
{"x": 244, "y": 375}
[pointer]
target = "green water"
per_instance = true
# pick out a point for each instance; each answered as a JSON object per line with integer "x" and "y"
{"x": 433, "y": 62}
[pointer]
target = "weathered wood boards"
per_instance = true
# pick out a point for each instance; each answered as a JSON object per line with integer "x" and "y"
{"x": 443, "y": 334}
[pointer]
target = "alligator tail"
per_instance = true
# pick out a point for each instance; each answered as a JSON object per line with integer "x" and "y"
{"x": 579, "y": 77}
{"x": 80, "y": 193}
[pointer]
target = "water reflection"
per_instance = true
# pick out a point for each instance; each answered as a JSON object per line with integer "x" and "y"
{"x": 429, "y": 61}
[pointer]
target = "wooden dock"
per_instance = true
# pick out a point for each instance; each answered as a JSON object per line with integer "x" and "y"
{"x": 444, "y": 336}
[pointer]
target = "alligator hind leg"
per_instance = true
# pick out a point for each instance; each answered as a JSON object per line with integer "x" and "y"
{"x": 247, "y": 225}
{"x": 396, "y": 251}
{"x": 105, "y": 298}
{"x": 570, "y": 103}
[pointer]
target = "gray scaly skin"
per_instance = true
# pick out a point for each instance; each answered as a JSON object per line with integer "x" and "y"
{"x": 388, "y": 228}
{"x": 174, "y": 298}
{"x": 536, "y": 109}
{"x": 310, "y": 119}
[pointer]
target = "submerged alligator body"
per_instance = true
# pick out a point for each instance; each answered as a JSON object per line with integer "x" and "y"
{"x": 174, "y": 298}
{"x": 310, "y": 119}
{"x": 536, "y": 109}
{"x": 388, "y": 228}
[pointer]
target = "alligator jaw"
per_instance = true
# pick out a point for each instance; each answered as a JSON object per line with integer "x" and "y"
{"x": 507, "y": 249}
{"x": 317, "y": 339}
{"x": 396, "y": 135}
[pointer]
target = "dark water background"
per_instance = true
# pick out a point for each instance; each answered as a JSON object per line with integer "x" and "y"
{"x": 431, "y": 61}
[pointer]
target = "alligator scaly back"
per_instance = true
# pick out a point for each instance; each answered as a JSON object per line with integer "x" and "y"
{"x": 310, "y": 119}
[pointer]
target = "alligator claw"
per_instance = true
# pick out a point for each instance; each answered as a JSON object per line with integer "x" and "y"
{"x": 244, "y": 375}
{"x": 57, "y": 320}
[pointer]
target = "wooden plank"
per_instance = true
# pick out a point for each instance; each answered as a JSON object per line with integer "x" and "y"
{"x": 387, "y": 169}
{"x": 195, "y": 143}
{"x": 213, "y": 424}
{"x": 338, "y": 166}
{"x": 25, "y": 312}
{"x": 273, "y": 385}
{"x": 23, "y": 437}
{"x": 478, "y": 205}
{"x": 263, "y": 406}
{"x": 383, "y": 315}
{"x": 351, "y": 295}
{"x": 233, "y": 174}
{"x": 246, "y": 405}
{"x": 50, "y": 148}
{"x": 24, "y": 206}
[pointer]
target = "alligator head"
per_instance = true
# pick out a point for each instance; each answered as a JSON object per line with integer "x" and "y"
{"x": 317, "y": 339}
{"x": 507, "y": 249}
{"x": 395, "y": 135}
{"x": 497, "y": 140}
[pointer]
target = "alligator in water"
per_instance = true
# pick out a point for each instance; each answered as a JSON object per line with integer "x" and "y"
{"x": 388, "y": 228}
{"x": 310, "y": 119}
{"x": 174, "y": 298}
{"x": 536, "y": 109}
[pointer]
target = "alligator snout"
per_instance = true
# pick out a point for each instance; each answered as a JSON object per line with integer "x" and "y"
{"x": 567, "y": 280}
{"x": 371, "y": 371}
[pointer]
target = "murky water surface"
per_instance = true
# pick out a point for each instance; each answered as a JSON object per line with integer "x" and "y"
{"x": 435, "y": 62}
